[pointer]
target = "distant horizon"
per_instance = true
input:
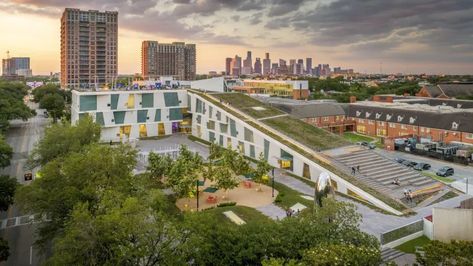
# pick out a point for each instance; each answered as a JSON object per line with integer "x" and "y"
{"x": 433, "y": 38}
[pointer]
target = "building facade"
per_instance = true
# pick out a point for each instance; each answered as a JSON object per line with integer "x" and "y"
{"x": 257, "y": 69}
{"x": 126, "y": 115}
{"x": 16, "y": 66}
{"x": 89, "y": 42}
{"x": 175, "y": 59}
{"x": 266, "y": 65}
{"x": 228, "y": 66}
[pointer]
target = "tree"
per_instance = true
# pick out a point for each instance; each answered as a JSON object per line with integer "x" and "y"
{"x": 262, "y": 169}
{"x": 4, "y": 250}
{"x": 84, "y": 176}
{"x": 185, "y": 172}
{"x": 159, "y": 165}
{"x": 6, "y": 153}
{"x": 225, "y": 178}
{"x": 342, "y": 254}
{"x": 54, "y": 104}
{"x": 61, "y": 139}
{"x": 236, "y": 161}
{"x": 128, "y": 232}
{"x": 7, "y": 191}
{"x": 12, "y": 105}
{"x": 453, "y": 253}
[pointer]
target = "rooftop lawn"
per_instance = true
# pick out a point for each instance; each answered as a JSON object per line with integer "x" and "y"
{"x": 311, "y": 136}
{"x": 246, "y": 103}
{"x": 354, "y": 138}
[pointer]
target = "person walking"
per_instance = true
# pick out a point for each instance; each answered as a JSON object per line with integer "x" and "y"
{"x": 358, "y": 169}
{"x": 353, "y": 171}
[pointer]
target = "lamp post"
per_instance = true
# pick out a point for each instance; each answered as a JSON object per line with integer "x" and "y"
{"x": 466, "y": 191}
{"x": 197, "y": 195}
{"x": 272, "y": 183}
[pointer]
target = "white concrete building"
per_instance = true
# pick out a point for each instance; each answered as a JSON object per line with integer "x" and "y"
{"x": 133, "y": 114}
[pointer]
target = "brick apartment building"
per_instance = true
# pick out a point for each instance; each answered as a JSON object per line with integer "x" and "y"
{"x": 438, "y": 123}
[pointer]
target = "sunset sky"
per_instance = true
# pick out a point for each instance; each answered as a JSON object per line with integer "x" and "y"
{"x": 421, "y": 36}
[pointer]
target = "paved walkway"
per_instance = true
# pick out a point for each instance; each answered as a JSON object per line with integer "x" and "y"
{"x": 272, "y": 211}
{"x": 271, "y": 117}
{"x": 373, "y": 222}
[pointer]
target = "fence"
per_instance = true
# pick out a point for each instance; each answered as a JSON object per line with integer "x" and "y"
{"x": 403, "y": 231}
{"x": 171, "y": 150}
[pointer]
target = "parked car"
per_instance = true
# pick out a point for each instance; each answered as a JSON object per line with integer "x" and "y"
{"x": 422, "y": 166}
{"x": 445, "y": 171}
{"x": 409, "y": 163}
{"x": 366, "y": 144}
{"x": 399, "y": 159}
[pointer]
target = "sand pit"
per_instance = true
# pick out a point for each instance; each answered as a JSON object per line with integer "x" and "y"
{"x": 242, "y": 195}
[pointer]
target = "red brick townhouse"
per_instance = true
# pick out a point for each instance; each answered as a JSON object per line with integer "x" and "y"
{"x": 439, "y": 123}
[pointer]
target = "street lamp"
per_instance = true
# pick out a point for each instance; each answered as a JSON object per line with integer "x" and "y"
{"x": 197, "y": 195}
{"x": 272, "y": 183}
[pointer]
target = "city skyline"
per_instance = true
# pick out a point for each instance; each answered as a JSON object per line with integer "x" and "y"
{"x": 429, "y": 37}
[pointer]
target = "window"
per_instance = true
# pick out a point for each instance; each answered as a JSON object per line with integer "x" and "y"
{"x": 211, "y": 125}
{"x": 403, "y": 127}
{"x": 422, "y": 129}
{"x": 326, "y": 118}
{"x": 381, "y": 124}
{"x": 361, "y": 121}
{"x": 469, "y": 136}
{"x": 392, "y": 125}
{"x": 248, "y": 135}
{"x": 370, "y": 122}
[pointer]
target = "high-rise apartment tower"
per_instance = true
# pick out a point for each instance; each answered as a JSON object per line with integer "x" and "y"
{"x": 168, "y": 59}
{"x": 88, "y": 48}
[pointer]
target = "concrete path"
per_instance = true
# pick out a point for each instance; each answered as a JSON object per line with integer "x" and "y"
{"x": 373, "y": 222}
{"x": 271, "y": 117}
{"x": 272, "y": 211}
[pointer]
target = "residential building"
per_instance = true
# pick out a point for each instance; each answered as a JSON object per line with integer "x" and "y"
{"x": 19, "y": 66}
{"x": 274, "y": 68}
{"x": 228, "y": 66}
{"x": 266, "y": 65}
{"x": 282, "y": 70}
{"x": 446, "y": 91}
{"x": 257, "y": 69}
{"x": 176, "y": 59}
{"x": 292, "y": 66}
{"x": 89, "y": 41}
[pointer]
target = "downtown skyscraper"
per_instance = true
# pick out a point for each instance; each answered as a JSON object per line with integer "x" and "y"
{"x": 266, "y": 65}
{"x": 89, "y": 42}
{"x": 175, "y": 59}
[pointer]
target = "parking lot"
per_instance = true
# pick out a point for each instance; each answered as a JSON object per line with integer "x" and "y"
{"x": 462, "y": 172}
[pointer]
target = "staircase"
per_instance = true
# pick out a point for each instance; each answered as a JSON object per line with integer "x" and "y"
{"x": 380, "y": 172}
{"x": 389, "y": 254}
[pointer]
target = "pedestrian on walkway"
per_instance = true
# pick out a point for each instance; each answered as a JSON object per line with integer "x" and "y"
{"x": 353, "y": 171}
{"x": 358, "y": 169}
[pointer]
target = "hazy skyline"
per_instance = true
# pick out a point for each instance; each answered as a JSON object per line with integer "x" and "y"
{"x": 423, "y": 36}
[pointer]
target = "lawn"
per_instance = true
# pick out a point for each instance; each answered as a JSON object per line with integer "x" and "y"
{"x": 354, "y": 138}
{"x": 446, "y": 196}
{"x": 438, "y": 178}
{"x": 288, "y": 197}
{"x": 246, "y": 103}
{"x": 388, "y": 200}
{"x": 311, "y": 136}
{"x": 410, "y": 246}
{"x": 247, "y": 214}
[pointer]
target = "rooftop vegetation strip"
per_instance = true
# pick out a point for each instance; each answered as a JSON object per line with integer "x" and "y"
{"x": 386, "y": 199}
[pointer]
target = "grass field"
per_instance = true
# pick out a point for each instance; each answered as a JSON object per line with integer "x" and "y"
{"x": 438, "y": 178}
{"x": 447, "y": 196}
{"x": 288, "y": 197}
{"x": 311, "y": 136}
{"x": 410, "y": 246}
{"x": 354, "y": 138}
{"x": 245, "y": 103}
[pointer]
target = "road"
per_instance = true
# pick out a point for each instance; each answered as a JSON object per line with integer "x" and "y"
{"x": 22, "y": 136}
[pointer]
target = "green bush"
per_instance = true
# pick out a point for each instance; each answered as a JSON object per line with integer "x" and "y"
{"x": 225, "y": 204}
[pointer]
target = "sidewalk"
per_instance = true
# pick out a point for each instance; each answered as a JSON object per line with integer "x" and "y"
{"x": 373, "y": 222}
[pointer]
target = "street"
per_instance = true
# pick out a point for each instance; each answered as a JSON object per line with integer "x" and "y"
{"x": 22, "y": 136}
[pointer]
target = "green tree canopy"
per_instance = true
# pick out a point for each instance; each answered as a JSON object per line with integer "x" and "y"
{"x": 159, "y": 165}
{"x": 84, "y": 176}
{"x": 185, "y": 171}
{"x": 7, "y": 191}
{"x": 54, "y": 104}
{"x": 12, "y": 105}
{"x": 6, "y": 153}
{"x": 61, "y": 139}
{"x": 4, "y": 250}
{"x": 453, "y": 253}
{"x": 51, "y": 89}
